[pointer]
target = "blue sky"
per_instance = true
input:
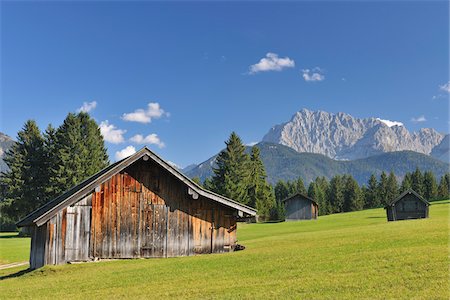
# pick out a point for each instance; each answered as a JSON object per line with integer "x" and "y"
{"x": 193, "y": 61}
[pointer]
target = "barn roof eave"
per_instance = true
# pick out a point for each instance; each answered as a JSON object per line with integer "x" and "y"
{"x": 44, "y": 213}
{"x": 408, "y": 191}
{"x": 301, "y": 195}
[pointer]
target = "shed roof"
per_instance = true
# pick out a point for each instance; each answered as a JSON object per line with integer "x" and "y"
{"x": 45, "y": 212}
{"x": 301, "y": 195}
{"x": 408, "y": 191}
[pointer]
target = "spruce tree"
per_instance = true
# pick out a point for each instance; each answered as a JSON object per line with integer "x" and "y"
{"x": 260, "y": 193}
{"x": 323, "y": 195}
{"x": 383, "y": 189}
{"x": 281, "y": 190}
{"x": 372, "y": 198}
{"x": 429, "y": 186}
{"x": 392, "y": 187}
{"x": 79, "y": 152}
{"x": 444, "y": 187}
{"x": 231, "y": 174}
{"x": 417, "y": 182}
{"x": 352, "y": 195}
{"x": 406, "y": 183}
{"x": 24, "y": 183}
{"x": 336, "y": 194}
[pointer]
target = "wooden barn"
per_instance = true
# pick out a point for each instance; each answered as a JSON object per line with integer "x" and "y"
{"x": 409, "y": 205}
{"x": 300, "y": 207}
{"x": 138, "y": 207}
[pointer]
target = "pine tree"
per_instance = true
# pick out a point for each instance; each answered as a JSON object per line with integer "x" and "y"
{"x": 417, "y": 182}
{"x": 336, "y": 194}
{"x": 444, "y": 187}
{"x": 383, "y": 189}
{"x": 281, "y": 191}
{"x": 392, "y": 187}
{"x": 79, "y": 152}
{"x": 260, "y": 192}
{"x": 372, "y": 198}
{"x": 24, "y": 183}
{"x": 406, "y": 183}
{"x": 231, "y": 174}
{"x": 352, "y": 195}
{"x": 300, "y": 186}
{"x": 323, "y": 195}
{"x": 430, "y": 187}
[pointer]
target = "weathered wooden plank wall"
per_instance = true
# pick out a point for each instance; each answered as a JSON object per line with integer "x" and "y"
{"x": 299, "y": 208}
{"x": 141, "y": 212}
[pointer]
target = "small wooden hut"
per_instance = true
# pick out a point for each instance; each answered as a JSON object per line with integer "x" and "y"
{"x": 137, "y": 207}
{"x": 300, "y": 207}
{"x": 409, "y": 205}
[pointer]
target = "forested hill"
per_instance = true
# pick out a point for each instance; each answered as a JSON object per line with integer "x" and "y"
{"x": 282, "y": 162}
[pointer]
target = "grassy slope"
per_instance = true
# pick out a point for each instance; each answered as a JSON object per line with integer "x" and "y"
{"x": 13, "y": 248}
{"x": 352, "y": 255}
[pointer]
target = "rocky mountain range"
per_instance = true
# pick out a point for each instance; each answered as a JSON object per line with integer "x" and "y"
{"x": 341, "y": 136}
{"x": 5, "y": 143}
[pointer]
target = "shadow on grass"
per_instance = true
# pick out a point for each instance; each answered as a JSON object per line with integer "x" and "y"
{"x": 17, "y": 274}
{"x": 384, "y": 217}
{"x": 10, "y": 236}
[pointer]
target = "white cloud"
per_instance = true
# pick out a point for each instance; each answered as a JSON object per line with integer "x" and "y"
{"x": 272, "y": 63}
{"x": 87, "y": 106}
{"x": 313, "y": 75}
{"x": 251, "y": 144}
{"x": 125, "y": 152}
{"x": 418, "y": 119}
{"x": 111, "y": 133}
{"x": 390, "y": 123}
{"x": 153, "y": 111}
{"x": 445, "y": 87}
{"x": 151, "y": 139}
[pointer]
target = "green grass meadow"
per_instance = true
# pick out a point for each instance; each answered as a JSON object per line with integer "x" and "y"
{"x": 357, "y": 255}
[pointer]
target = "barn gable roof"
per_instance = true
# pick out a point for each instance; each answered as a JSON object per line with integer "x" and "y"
{"x": 301, "y": 195}
{"x": 71, "y": 196}
{"x": 408, "y": 191}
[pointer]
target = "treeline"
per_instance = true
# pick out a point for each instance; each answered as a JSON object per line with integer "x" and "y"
{"x": 242, "y": 177}
{"x": 43, "y": 165}
{"x": 342, "y": 193}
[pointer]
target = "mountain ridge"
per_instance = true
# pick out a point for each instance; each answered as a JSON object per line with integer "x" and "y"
{"x": 282, "y": 162}
{"x": 344, "y": 137}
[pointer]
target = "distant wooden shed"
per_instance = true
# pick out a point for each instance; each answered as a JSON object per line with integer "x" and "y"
{"x": 137, "y": 207}
{"x": 300, "y": 207}
{"x": 409, "y": 205}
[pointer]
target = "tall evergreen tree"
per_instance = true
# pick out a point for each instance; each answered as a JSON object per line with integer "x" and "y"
{"x": 79, "y": 152}
{"x": 260, "y": 193}
{"x": 352, "y": 195}
{"x": 430, "y": 187}
{"x": 231, "y": 174}
{"x": 392, "y": 187}
{"x": 383, "y": 189}
{"x": 406, "y": 183}
{"x": 281, "y": 190}
{"x": 24, "y": 183}
{"x": 372, "y": 198}
{"x": 417, "y": 182}
{"x": 444, "y": 187}
{"x": 323, "y": 195}
{"x": 336, "y": 194}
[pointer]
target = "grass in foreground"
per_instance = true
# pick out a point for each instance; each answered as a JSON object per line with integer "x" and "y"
{"x": 13, "y": 248}
{"x": 351, "y": 255}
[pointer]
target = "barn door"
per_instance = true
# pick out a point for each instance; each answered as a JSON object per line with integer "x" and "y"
{"x": 201, "y": 230}
{"x": 154, "y": 230}
{"x": 78, "y": 231}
